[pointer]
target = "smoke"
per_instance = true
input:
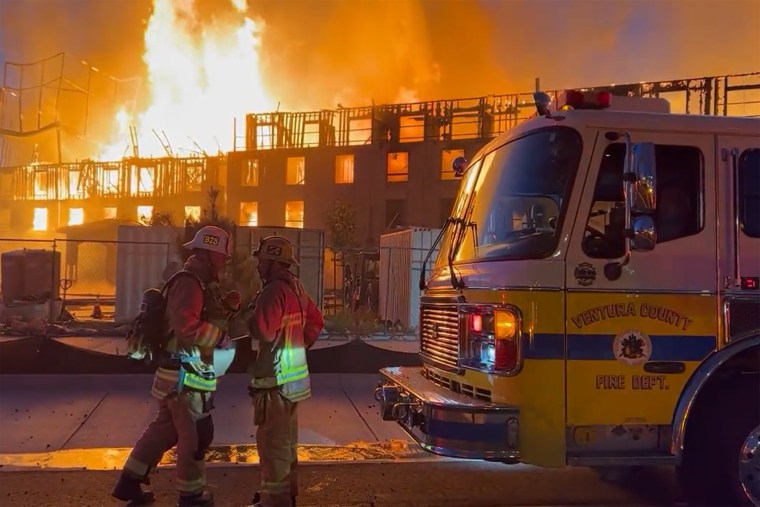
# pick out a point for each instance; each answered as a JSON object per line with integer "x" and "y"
{"x": 352, "y": 52}
{"x": 318, "y": 54}
{"x": 109, "y": 34}
{"x": 588, "y": 42}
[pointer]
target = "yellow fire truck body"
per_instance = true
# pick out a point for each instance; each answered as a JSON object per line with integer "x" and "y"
{"x": 595, "y": 299}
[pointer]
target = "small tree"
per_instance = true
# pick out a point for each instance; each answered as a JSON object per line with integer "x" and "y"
{"x": 241, "y": 274}
{"x": 341, "y": 226}
{"x": 342, "y": 237}
{"x": 161, "y": 218}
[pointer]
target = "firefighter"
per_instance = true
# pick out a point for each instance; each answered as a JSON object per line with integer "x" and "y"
{"x": 197, "y": 316}
{"x": 286, "y": 322}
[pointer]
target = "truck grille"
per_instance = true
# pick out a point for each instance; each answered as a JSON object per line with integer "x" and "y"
{"x": 744, "y": 315}
{"x": 439, "y": 334}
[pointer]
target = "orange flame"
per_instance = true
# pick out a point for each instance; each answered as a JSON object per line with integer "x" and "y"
{"x": 200, "y": 81}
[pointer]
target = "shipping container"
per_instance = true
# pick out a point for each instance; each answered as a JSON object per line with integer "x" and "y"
{"x": 148, "y": 256}
{"x": 12, "y": 276}
{"x": 401, "y": 256}
{"x": 145, "y": 257}
{"x": 30, "y": 275}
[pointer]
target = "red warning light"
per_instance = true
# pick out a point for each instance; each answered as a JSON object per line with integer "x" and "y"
{"x": 750, "y": 282}
{"x": 577, "y": 99}
{"x": 477, "y": 323}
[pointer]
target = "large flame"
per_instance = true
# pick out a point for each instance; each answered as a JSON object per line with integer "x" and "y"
{"x": 201, "y": 79}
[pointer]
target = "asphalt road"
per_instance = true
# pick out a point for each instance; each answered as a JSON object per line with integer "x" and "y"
{"x": 420, "y": 483}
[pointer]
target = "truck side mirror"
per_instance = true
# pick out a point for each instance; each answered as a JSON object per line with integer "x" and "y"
{"x": 459, "y": 165}
{"x": 644, "y": 178}
{"x": 640, "y": 184}
{"x": 644, "y": 233}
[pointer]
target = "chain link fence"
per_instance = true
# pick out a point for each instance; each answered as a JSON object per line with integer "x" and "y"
{"x": 59, "y": 279}
{"x": 379, "y": 286}
{"x": 65, "y": 280}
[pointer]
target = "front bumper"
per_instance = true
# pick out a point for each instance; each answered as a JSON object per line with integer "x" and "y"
{"x": 447, "y": 423}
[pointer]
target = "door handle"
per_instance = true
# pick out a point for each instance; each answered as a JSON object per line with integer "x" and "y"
{"x": 666, "y": 367}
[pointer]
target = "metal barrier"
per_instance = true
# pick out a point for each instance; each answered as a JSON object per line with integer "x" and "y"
{"x": 380, "y": 284}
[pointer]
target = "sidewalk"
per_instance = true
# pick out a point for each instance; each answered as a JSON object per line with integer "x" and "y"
{"x": 91, "y": 421}
{"x": 63, "y": 439}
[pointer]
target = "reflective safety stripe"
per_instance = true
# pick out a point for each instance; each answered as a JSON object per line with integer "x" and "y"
{"x": 199, "y": 383}
{"x": 297, "y": 391}
{"x": 293, "y": 374}
{"x": 291, "y": 319}
{"x": 192, "y": 486}
{"x": 167, "y": 374}
{"x": 136, "y": 467}
{"x": 195, "y": 374}
{"x": 208, "y": 335}
{"x": 289, "y": 366}
{"x": 164, "y": 383}
{"x": 292, "y": 363}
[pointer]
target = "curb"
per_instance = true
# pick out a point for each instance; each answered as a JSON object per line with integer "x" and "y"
{"x": 92, "y": 459}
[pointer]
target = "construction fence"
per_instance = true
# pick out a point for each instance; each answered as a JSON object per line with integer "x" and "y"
{"x": 41, "y": 276}
{"x": 54, "y": 279}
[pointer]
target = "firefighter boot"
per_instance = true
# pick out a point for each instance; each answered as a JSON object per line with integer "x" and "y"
{"x": 128, "y": 489}
{"x": 256, "y": 502}
{"x": 203, "y": 499}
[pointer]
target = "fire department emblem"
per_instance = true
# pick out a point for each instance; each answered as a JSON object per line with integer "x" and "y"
{"x": 632, "y": 347}
{"x": 585, "y": 274}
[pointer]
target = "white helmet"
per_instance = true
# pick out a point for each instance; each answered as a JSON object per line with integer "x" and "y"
{"x": 211, "y": 238}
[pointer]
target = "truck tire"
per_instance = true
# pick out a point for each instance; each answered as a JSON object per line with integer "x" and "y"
{"x": 724, "y": 418}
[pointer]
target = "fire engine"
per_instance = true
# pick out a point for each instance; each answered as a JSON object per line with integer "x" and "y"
{"x": 595, "y": 299}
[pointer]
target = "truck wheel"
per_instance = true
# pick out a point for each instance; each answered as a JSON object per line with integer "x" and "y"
{"x": 749, "y": 466}
{"x": 721, "y": 438}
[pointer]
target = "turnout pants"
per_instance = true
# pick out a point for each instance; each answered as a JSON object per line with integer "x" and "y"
{"x": 183, "y": 420}
{"x": 277, "y": 445}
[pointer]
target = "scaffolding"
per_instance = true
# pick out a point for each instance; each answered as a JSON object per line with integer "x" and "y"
{"x": 480, "y": 117}
{"x": 130, "y": 177}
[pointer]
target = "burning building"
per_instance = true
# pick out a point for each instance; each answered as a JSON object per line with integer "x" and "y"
{"x": 76, "y": 150}
{"x": 392, "y": 162}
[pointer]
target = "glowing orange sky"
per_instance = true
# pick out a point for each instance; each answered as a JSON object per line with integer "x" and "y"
{"x": 316, "y": 54}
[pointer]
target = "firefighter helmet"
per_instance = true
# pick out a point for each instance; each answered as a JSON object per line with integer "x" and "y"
{"x": 211, "y": 238}
{"x": 275, "y": 248}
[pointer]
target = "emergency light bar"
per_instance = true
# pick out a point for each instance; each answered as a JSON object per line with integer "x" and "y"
{"x": 575, "y": 99}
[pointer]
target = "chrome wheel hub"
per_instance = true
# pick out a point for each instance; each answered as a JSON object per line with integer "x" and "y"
{"x": 749, "y": 466}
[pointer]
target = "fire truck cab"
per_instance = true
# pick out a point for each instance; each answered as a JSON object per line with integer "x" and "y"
{"x": 595, "y": 300}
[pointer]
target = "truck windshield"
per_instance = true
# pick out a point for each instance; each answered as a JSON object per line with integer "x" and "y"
{"x": 518, "y": 199}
